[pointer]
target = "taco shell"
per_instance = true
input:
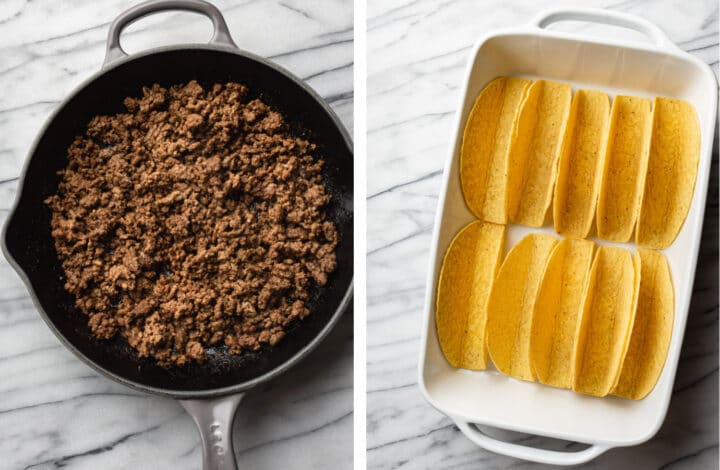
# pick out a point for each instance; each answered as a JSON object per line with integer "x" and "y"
{"x": 625, "y": 164}
{"x": 512, "y": 302}
{"x": 671, "y": 172}
{"x": 652, "y": 329}
{"x": 534, "y": 151}
{"x": 558, "y": 309}
{"x": 466, "y": 277}
{"x": 580, "y": 164}
{"x": 486, "y": 140}
{"x": 606, "y": 322}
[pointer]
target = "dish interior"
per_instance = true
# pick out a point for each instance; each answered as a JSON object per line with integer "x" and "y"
{"x": 490, "y": 398}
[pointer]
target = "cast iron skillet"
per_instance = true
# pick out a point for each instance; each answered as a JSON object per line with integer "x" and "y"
{"x": 211, "y": 391}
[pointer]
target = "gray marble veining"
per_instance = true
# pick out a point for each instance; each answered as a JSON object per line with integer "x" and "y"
{"x": 54, "y": 410}
{"x": 417, "y": 52}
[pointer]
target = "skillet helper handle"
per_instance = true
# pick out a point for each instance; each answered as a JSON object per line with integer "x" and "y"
{"x": 221, "y": 34}
{"x": 214, "y": 420}
{"x": 608, "y": 17}
{"x": 532, "y": 454}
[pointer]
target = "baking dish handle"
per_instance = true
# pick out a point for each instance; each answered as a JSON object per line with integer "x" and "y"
{"x": 114, "y": 52}
{"x": 532, "y": 454}
{"x": 214, "y": 419}
{"x": 609, "y": 17}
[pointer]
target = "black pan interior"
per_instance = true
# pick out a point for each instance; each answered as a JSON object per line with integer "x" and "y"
{"x": 29, "y": 242}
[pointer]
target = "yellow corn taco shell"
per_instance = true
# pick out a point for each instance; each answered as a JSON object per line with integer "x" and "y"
{"x": 581, "y": 164}
{"x": 671, "y": 172}
{"x": 558, "y": 308}
{"x": 624, "y": 170}
{"x": 534, "y": 151}
{"x": 484, "y": 154}
{"x": 466, "y": 277}
{"x": 512, "y": 302}
{"x": 652, "y": 329}
{"x": 606, "y": 322}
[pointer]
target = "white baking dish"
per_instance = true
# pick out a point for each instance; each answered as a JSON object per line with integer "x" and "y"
{"x": 654, "y": 67}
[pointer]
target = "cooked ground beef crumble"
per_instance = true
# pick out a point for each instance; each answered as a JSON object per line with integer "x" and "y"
{"x": 192, "y": 220}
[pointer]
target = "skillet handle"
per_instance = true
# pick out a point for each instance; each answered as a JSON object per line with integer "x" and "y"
{"x": 214, "y": 420}
{"x": 114, "y": 52}
{"x": 531, "y": 454}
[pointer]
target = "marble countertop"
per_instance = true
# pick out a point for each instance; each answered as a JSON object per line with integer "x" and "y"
{"x": 417, "y": 54}
{"x": 54, "y": 410}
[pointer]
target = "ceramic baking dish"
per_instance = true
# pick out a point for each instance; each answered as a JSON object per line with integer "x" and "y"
{"x": 652, "y": 66}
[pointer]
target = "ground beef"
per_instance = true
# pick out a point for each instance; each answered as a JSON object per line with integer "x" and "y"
{"x": 195, "y": 219}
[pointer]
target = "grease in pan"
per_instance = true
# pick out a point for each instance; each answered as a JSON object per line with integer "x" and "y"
{"x": 557, "y": 311}
{"x": 671, "y": 172}
{"x": 534, "y": 151}
{"x": 511, "y": 305}
{"x": 484, "y": 154}
{"x": 625, "y": 164}
{"x": 652, "y": 328}
{"x": 580, "y": 165}
{"x": 466, "y": 277}
{"x": 606, "y": 322}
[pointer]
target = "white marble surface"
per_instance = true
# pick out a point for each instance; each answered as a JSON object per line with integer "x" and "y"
{"x": 417, "y": 52}
{"x": 55, "y": 411}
